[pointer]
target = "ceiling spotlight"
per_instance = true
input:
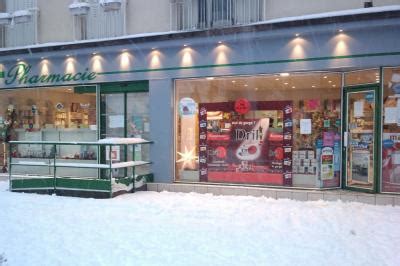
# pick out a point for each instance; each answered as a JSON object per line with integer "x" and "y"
{"x": 246, "y": 85}
{"x": 210, "y": 78}
{"x": 325, "y": 77}
{"x": 286, "y": 83}
{"x": 277, "y": 79}
{"x": 185, "y": 45}
{"x": 219, "y": 42}
{"x": 297, "y": 34}
{"x": 284, "y": 74}
{"x": 233, "y": 81}
{"x": 340, "y": 30}
{"x": 293, "y": 87}
{"x": 330, "y": 81}
{"x": 313, "y": 86}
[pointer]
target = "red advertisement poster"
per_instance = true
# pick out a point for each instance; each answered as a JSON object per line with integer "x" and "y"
{"x": 238, "y": 149}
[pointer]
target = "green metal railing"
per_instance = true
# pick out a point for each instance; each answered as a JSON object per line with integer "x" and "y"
{"x": 76, "y": 183}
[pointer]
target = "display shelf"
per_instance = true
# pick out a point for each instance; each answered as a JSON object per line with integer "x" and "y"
{"x": 56, "y": 165}
{"x": 30, "y": 163}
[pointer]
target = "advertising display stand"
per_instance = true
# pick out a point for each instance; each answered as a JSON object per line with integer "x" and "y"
{"x": 246, "y": 142}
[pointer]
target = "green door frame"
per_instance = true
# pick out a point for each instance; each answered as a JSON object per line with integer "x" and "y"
{"x": 377, "y": 135}
{"x": 118, "y": 88}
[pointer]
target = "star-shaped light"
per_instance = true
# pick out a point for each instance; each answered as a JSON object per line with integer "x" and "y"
{"x": 187, "y": 157}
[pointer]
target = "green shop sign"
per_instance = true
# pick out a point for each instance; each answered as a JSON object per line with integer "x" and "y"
{"x": 20, "y": 73}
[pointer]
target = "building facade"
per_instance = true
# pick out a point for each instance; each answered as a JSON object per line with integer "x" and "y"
{"x": 310, "y": 101}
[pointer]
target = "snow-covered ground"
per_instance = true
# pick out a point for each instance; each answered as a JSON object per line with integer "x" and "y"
{"x": 149, "y": 228}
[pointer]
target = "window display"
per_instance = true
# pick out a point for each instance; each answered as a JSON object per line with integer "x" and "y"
{"x": 267, "y": 129}
{"x": 49, "y": 114}
{"x": 391, "y": 131}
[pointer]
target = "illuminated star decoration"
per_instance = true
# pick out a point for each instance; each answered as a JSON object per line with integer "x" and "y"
{"x": 187, "y": 158}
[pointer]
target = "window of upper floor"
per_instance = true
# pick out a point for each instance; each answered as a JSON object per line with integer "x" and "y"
{"x": 18, "y": 22}
{"x": 94, "y": 19}
{"x": 201, "y": 14}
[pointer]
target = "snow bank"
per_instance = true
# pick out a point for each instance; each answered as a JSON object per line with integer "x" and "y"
{"x": 149, "y": 228}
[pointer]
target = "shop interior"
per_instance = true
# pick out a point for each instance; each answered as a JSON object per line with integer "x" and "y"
{"x": 48, "y": 114}
{"x": 312, "y": 128}
{"x": 391, "y": 131}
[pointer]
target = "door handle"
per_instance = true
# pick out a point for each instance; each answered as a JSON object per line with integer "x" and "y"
{"x": 345, "y": 138}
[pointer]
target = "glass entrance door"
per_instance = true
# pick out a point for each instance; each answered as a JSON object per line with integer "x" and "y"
{"x": 360, "y": 138}
{"x": 125, "y": 114}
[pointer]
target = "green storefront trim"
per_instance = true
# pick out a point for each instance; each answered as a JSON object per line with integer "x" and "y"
{"x": 61, "y": 183}
{"x": 33, "y": 183}
{"x": 377, "y": 135}
{"x": 115, "y": 87}
{"x": 83, "y": 184}
{"x": 267, "y": 62}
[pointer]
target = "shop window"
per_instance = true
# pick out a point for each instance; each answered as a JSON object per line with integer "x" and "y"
{"x": 49, "y": 114}
{"x": 359, "y": 77}
{"x": 391, "y": 131}
{"x": 281, "y": 130}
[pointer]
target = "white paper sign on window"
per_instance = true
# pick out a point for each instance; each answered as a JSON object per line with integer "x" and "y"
{"x": 116, "y": 121}
{"x": 398, "y": 112}
{"x": 359, "y": 109}
{"x": 115, "y": 153}
{"x": 391, "y": 115}
{"x": 305, "y": 126}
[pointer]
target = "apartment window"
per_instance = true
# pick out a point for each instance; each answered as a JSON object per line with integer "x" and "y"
{"x": 200, "y": 14}
{"x": 98, "y": 19}
{"x": 22, "y": 27}
{"x": 80, "y": 27}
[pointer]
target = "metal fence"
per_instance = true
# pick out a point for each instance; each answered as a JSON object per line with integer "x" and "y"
{"x": 203, "y": 14}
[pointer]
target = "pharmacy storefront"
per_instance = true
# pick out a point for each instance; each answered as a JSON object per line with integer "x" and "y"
{"x": 308, "y": 130}
{"x": 273, "y": 104}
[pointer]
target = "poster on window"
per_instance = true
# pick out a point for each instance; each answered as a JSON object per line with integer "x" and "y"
{"x": 391, "y": 162}
{"x": 115, "y": 153}
{"x": 247, "y": 146}
{"x": 360, "y": 166}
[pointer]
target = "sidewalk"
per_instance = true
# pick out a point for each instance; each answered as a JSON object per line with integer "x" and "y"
{"x": 277, "y": 193}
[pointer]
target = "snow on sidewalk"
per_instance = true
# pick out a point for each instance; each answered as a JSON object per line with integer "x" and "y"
{"x": 149, "y": 228}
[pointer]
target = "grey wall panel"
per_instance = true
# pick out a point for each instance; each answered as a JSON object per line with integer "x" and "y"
{"x": 161, "y": 129}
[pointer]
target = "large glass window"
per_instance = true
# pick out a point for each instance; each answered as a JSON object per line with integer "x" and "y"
{"x": 391, "y": 131}
{"x": 279, "y": 130}
{"x": 49, "y": 114}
